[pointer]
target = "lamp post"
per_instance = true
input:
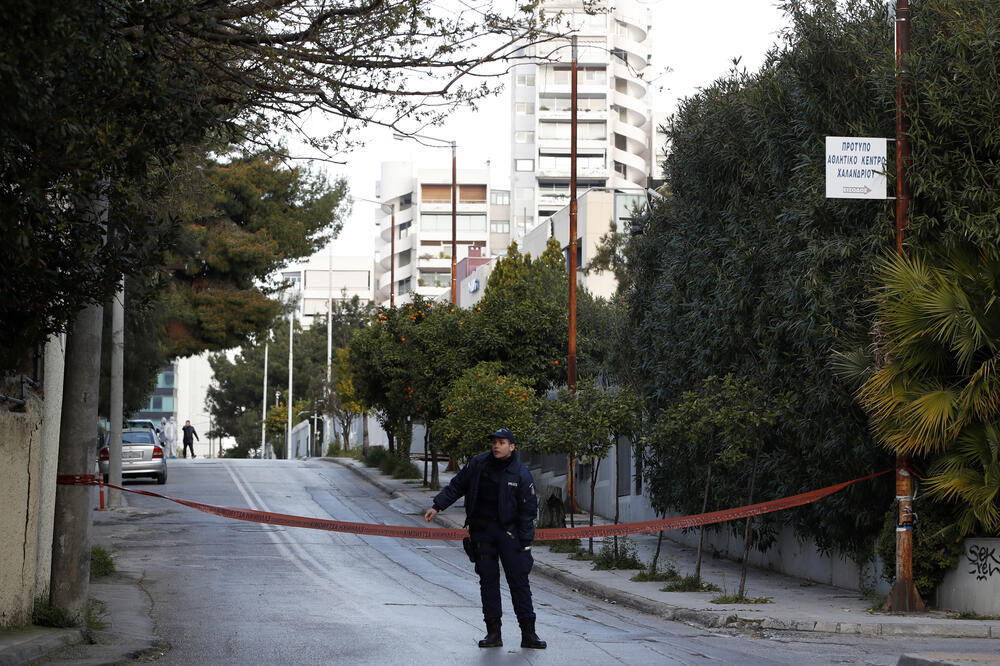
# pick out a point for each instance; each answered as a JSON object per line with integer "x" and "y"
{"x": 420, "y": 138}
{"x": 263, "y": 419}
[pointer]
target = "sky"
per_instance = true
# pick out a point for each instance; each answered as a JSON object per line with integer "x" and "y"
{"x": 694, "y": 43}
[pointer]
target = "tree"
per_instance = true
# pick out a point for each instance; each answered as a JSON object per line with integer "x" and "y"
{"x": 709, "y": 432}
{"x": 480, "y": 401}
{"x": 111, "y": 91}
{"x": 931, "y": 390}
{"x": 748, "y": 269}
{"x": 342, "y": 400}
{"x": 243, "y": 220}
{"x": 523, "y": 316}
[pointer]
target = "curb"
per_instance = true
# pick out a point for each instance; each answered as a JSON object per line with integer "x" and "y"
{"x": 23, "y": 647}
{"x": 724, "y": 619}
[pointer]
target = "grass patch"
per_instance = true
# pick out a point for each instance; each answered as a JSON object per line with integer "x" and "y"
{"x": 667, "y": 574}
{"x": 740, "y": 599}
{"x": 623, "y": 557}
{"x": 101, "y": 562}
{"x": 690, "y": 584}
{"x": 407, "y": 469}
{"x": 970, "y": 615}
{"x": 334, "y": 450}
{"x": 583, "y": 555}
{"x": 561, "y": 545}
{"x": 44, "y": 614}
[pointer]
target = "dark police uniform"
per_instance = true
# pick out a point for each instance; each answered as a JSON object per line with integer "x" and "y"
{"x": 500, "y": 509}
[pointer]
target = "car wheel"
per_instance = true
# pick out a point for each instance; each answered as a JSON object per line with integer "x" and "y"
{"x": 161, "y": 478}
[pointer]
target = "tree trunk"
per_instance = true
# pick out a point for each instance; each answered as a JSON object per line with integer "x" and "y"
{"x": 746, "y": 533}
{"x": 656, "y": 555}
{"x": 78, "y": 429}
{"x": 427, "y": 433}
{"x": 364, "y": 435}
{"x": 116, "y": 395}
{"x": 593, "y": 486}
{"x": 701, "y": 530}
{"x": 570, "y": 503}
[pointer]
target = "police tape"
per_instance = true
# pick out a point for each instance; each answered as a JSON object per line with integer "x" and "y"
{"x": 450, "y": 534}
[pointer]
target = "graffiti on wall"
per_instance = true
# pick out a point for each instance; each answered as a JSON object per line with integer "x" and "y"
{"x": 983, "y": 561}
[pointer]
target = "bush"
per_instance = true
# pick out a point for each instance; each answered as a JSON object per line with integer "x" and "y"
{"x": 562, "y": 545}
{"x": 101, "y": 562}
{"x": 375, "y": 456}
{"x": 666, "y": 574}
{"x": 333, "y": 450}
{"x": 623, "y": 557}
{"x": 406, "y": 469}
{"x": 388, "y": 464}
{"x": 937, "y": 544}
{"x": 690, "y": 584}
{"x": 44, "y": 614}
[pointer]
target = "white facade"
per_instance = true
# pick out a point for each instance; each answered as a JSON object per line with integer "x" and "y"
{"x": 192, "y": 377}
{"x": 324, "y": 277}
{"x": 614, "y": 118}
{"x": 417, "y": 207}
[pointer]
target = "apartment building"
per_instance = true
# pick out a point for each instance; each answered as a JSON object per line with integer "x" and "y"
{"x": 614, "y": 118}
{"x": 416, "y": 209}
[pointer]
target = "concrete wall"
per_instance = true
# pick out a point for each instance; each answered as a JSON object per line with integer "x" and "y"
{"x": 791, "y": 554}
{"x": 20, "y": 489}
{"x": 974, "y": 585}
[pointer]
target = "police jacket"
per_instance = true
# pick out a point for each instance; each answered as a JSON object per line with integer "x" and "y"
{"x": 518, "y": 504}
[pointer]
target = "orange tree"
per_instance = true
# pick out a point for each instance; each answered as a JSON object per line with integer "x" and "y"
{"x": 479, "y": 402}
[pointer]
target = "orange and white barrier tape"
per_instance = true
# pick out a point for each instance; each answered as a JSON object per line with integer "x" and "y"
{"x": 447, "y": 534}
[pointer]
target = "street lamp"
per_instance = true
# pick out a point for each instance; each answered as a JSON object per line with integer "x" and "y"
{"x": 391, "y": 209}
{"x": 420, "y": 138}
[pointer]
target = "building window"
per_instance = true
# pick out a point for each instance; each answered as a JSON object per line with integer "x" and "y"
{"x": 620, "y": 169}
{"x": 592, "y": 75}
{"x": 561, "y": 162}
{"x": 524, "y": 108}
{"x": 524, "y": 137}
{"x": 165, "y": 380}
{"x": 561, "y": 130}
{"x": 463, "y": 222}
{"x": 160, "y": 403}
{"x": 404, "y": 286}
{"x": 500, "y": 197}
{"x": 404, "y": 229}
{"x": 500, "y": 226}
{"x": 525, "y": 80}
{"x": 404, "y": 259}
{"x": 524, "y": 165}
{"x": 620, "y": 55}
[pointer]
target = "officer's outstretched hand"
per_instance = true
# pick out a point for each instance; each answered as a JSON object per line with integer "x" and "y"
{"x": 429, "y": 514}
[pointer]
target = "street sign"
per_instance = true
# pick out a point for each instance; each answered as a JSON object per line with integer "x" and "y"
{"x": 855, "y": 167}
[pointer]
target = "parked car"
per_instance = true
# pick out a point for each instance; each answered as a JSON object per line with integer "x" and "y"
{"x": 141, "y": 456}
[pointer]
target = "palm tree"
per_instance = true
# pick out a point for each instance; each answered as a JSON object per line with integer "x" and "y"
{"x": 934, "y": 390}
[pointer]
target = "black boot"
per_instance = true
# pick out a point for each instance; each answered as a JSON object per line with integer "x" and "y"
{"x": 529, "y": 639}
{"x": 493, "y": 638}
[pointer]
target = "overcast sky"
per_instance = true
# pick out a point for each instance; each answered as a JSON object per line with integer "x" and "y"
{"x": 694, "y": 43}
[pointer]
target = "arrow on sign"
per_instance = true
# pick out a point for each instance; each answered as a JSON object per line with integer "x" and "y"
{"x": 857, "y": 190}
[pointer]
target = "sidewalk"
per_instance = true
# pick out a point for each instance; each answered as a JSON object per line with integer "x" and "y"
{"x": 796, "y": 604}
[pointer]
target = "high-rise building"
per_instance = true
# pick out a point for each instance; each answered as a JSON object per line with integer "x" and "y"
{"x": 614, "y": 117}
{"x": 420, "y": 204}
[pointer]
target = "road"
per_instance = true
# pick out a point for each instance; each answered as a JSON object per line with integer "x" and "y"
{"x": 229, "y": 592}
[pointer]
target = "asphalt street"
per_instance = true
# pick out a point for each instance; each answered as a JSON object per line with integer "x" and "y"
{"x": 230, "y": 592}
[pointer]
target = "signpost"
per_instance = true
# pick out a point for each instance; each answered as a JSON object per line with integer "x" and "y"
{"x": 855, "y": 167}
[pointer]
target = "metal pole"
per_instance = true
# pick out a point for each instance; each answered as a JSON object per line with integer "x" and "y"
{"x": 392, "y": 258}
{"x": 263, "y": 418}
{"x": 571, "y": 360}
{"x": 291, "y": 347}
{"x": 903, "y": 596}
{"x": 454, "y": 224}
{"x": 329, "y": 339}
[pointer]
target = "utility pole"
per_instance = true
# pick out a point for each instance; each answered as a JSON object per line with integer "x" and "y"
{"x": 454, "y": 225}
{"x": 117, "y": 393}
{"x": 291, "y": 346}
{"x": 903, "y": 596}
{"x": 70, "y": 582}
{"x": 263, "y": 417}
{"x": 571, "y": 360}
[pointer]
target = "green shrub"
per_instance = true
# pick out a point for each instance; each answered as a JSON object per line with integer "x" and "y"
{"x": 333, "y": 450}
{"x": 101, "y": 562}
{"x": 406, "y": 469}
{"x": 737, "y": 599}
{"x": 375, "y": 456}
{"x": 937, "y": 544}
{"x": 623, "y": 557}
{"x": 690, "y": 584}
{"x": 666, "y": 574}
{"x": 388, "y": 464}
{"x": 44, "y": 614}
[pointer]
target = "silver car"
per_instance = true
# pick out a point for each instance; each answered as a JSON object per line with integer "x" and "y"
{"x": 142, "y": 455}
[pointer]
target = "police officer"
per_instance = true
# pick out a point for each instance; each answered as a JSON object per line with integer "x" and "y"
{"x": 500, "y": 511}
